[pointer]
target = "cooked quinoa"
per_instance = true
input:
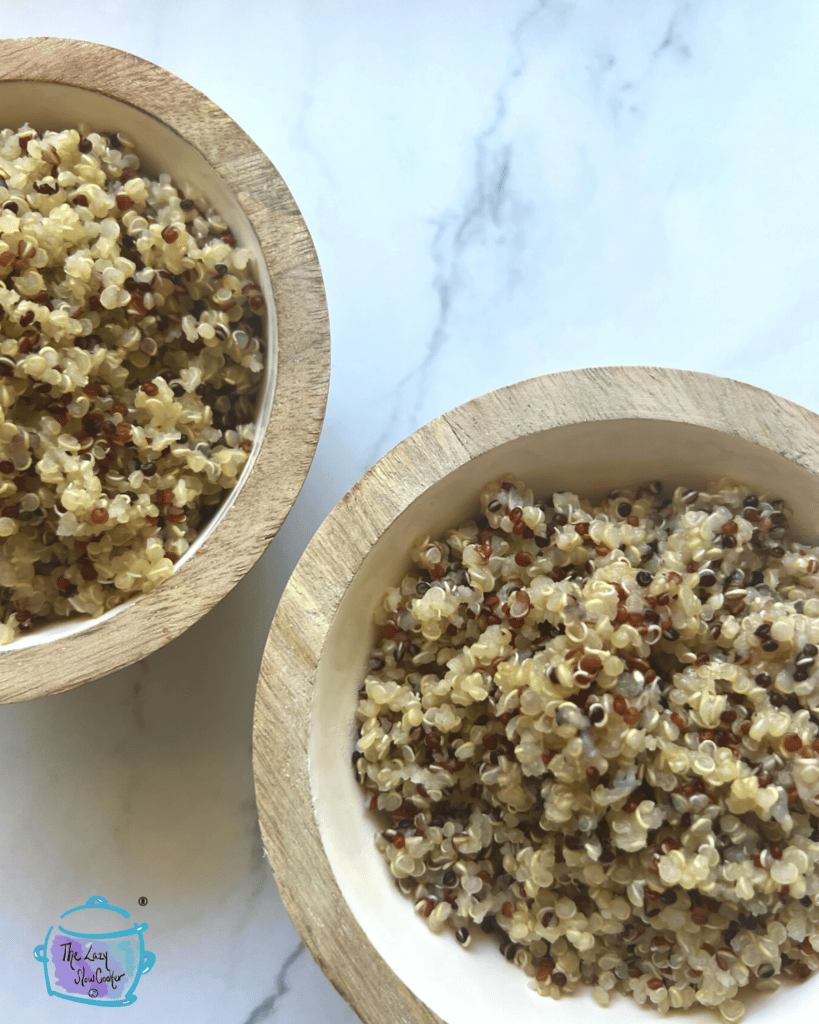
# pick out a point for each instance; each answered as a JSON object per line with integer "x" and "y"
{"x": 594, "y": 731}
{"x": 130, "y": 365}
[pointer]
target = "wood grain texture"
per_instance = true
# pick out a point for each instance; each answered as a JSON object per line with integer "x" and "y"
{"x": 267, "y": 492}
{"x": 285, "y": 778}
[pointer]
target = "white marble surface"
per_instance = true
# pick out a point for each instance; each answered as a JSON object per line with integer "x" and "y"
{"x": 496, "y": 189}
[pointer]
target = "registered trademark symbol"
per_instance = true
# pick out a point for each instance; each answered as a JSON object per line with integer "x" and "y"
{"x": 93, "y": 993}
{"x": 143, "y": 901}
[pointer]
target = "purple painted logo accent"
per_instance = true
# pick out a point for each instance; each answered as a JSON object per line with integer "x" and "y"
{"x": 92, "y": 964}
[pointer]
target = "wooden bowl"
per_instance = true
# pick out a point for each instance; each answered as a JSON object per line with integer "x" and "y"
{"x": 587, "y": 431}
{"x": 58, "y": 83}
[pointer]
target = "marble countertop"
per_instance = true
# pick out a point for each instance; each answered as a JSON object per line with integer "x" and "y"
{"x": 496, "y": 189}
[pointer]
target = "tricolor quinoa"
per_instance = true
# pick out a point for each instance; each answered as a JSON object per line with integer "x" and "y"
{"x": 594, "y": 729}
{"x": 130, "y": 363}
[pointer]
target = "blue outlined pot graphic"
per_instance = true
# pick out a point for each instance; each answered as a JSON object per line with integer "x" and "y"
{"x": 92, "y": 956}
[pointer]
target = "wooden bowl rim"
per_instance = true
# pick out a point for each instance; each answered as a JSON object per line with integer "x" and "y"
{"x": 264, "y": 496}
{"x": 283, "y": 710}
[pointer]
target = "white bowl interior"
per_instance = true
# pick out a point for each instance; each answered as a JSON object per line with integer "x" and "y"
{"x": 55, "y": 106}
{"x": 477, "y": 986}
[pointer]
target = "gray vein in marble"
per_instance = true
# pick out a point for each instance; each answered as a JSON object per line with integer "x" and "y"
{"x": 621, "y": 95}
{"x": 137, "y": 701}
{"x": 672, "y": 40}
{"x": 266, "y": 1009}
{"x": 301, "y": 130}
{"x": 122, "y": 825}
{"x": 455, "y": 231}
{"x": 259, "y": 873}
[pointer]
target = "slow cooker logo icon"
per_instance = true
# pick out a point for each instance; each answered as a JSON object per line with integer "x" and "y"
{"x": 95, "y": 956}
